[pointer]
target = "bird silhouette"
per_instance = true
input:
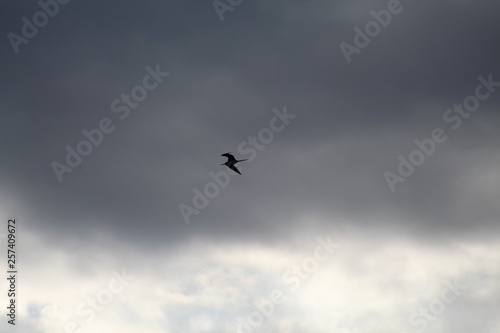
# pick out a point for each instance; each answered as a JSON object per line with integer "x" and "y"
{"x": 231, "y": 161}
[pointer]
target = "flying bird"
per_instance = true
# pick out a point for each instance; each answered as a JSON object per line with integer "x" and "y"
{"x": 231, "y": 161}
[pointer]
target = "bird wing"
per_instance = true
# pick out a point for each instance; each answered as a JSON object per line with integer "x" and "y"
{"x": 232, "y": 167}
{"x": 229, "y": 157}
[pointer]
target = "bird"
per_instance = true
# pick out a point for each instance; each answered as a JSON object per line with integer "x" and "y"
{"x": 231, "y": 161}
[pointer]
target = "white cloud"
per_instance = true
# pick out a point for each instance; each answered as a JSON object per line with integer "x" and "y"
{"x": 364, "y": 285}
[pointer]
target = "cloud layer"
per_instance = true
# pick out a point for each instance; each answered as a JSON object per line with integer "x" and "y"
{"x": 323, "y": 174}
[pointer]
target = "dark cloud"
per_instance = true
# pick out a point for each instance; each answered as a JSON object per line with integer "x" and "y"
{"x": 354, "y": 120}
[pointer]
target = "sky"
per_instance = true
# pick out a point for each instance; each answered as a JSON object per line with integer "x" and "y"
{"x": 368, "y": 201}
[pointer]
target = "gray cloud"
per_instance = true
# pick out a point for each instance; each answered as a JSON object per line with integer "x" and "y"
{"x": 354, "y": 120}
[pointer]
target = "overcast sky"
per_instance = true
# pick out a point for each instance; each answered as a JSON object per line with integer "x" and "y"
{"x": 371, "y": 129}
